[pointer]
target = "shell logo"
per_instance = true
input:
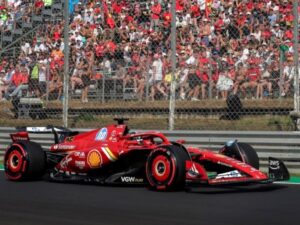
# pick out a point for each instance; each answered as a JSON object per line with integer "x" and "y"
{"x": 94, "y": 159}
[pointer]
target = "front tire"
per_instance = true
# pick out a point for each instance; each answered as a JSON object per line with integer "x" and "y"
{"x": 24, "y": 160}
{"x": 243, "y": 152}
{"x": 249, "y": 155}
{"x": 165, "y": 168}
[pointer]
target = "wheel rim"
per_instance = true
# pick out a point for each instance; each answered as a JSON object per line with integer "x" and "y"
{"x": 15, "y": 161}
{"x": 161, "y": 168}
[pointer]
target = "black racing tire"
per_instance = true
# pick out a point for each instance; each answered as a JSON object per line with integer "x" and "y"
{"x": 249, "y": 154}
{"x": 165, "y": 168}
{"x": 24, "y": 160}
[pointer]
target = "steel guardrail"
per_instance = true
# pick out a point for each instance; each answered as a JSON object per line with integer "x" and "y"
{"x": 282, "y": 145}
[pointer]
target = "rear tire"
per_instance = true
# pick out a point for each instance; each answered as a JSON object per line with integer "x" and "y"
{"x": 165, "y": 168}
{"x": 24, "y": 160}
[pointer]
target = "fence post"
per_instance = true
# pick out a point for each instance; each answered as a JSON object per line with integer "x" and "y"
{"x": 281, "y": 81}
{"x": 66, "y": 65}
{"x": 210, "y": 81}
{"x": 147, "y": 80}
{"x": 296, "y": 58}
{"x": 173, "y": 60}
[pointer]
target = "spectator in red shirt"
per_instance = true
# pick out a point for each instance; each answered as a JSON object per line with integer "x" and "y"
{"x": 18, "y": 77}
{"x": 195, "y": 14}
{"x": 19, "y": 81}
{"x": 203, "y": 60}
{"x": 155, "y": 15}
{"x": 252, "y": 78}
{"x": 117, "y": 6}
{"x": 167, "y": 17}
{"x": 38, "y": 4}
{"x": 203, "y": 74}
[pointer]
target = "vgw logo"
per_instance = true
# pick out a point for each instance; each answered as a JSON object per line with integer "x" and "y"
{"x": 131, "y": 179}
{"x": 127, "y": 179}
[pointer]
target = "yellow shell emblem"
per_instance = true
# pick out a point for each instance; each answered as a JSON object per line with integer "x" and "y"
{"x": 94, "y": 159}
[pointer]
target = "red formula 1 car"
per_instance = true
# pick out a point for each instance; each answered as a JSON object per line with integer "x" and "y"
{"x": 113, "y": 155}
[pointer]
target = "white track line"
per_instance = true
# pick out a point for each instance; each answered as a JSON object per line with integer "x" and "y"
{"x": 284, "y": 182}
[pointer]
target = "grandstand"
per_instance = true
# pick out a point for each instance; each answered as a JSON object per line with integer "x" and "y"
{"x": 121, "y": 49}
{"x": 24, "y": 20}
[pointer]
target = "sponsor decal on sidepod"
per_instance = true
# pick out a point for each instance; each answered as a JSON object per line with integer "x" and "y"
{"x": 94, "y": 159}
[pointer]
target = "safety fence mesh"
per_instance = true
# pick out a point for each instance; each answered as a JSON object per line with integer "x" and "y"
{"x": 234, "y": 64}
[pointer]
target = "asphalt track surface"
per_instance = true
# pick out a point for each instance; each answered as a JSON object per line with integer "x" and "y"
{"x": 42, "y": 202}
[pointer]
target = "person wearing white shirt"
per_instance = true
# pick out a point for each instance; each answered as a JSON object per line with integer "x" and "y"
{"x": 43, "y": 74}
{"x": 40, "y": 47}
{"x": 289, "y": 74}
{"x": 157, "y": 77}
{"x": 26, "y": 48}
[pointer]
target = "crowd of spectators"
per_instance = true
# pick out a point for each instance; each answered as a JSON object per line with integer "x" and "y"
{"x": 222, "y": 47}
{"x": 14, "y": 10}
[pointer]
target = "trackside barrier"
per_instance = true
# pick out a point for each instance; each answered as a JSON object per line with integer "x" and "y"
{"x": 282, "y": 145}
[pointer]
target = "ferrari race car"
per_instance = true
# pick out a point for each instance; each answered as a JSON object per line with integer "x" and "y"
{"x": 114, "y": 155}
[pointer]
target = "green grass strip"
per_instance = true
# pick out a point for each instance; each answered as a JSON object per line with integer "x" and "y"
{"x": 294, "y": 180}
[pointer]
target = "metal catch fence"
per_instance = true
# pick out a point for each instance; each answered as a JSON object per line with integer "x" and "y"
{"x": 163, "y": 64}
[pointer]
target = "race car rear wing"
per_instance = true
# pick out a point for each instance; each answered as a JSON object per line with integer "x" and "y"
{"x": 47, "y": 129}
{"x": 60, "y": 133}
